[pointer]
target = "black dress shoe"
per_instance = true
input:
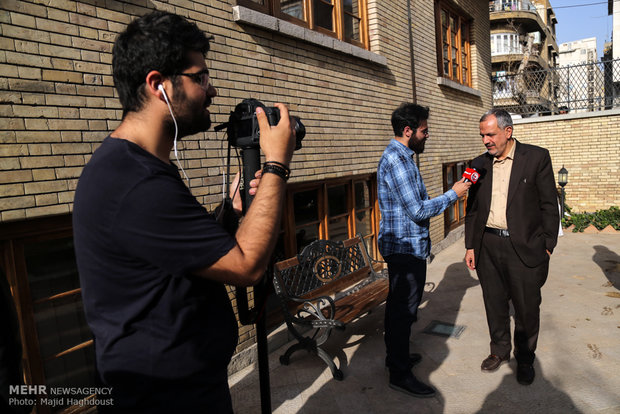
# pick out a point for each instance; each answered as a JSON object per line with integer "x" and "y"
{"x": 412, "y": 386}
{"x": 414, "y": 359}
{"x": 525, "y": 374}
{"x": 492, "y": 363}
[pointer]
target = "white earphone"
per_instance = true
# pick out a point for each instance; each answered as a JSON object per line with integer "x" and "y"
{"x": 176, "y": 129}
{"x": 161, "y": 88}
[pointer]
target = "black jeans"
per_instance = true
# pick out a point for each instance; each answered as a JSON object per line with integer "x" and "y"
{"x": 407, "y": 276}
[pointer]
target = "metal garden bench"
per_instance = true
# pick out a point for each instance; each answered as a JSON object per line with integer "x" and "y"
{"x": 326, "y": 286}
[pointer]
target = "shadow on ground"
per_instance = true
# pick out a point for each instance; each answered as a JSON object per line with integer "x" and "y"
{"x": 609, "y": 263}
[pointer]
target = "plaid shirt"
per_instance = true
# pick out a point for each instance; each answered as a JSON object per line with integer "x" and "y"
{"x": 404, "y": 203}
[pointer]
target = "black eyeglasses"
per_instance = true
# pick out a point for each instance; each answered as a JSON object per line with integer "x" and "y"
{"x": 201, "y": 78}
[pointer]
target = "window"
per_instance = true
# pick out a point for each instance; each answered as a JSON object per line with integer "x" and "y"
{"x": 343, "y": 19}
{"x": 505, "y": 44}
{"x": 454, "y": 215}
{"x": 453, "y": 44}
{"x": 334, "y": 209}
{"x": 39, "y": 263}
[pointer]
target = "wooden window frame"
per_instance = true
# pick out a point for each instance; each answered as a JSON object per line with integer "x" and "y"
{"x": 290, "y": 230}
{"x": 459, "y": 220}
{"x": 14, "y": 236}
{"x": 462, "y": 40}
{"x": 272, "y": 7}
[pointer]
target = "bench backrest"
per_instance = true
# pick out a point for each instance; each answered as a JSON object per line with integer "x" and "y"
{"x": 322, "y": 267}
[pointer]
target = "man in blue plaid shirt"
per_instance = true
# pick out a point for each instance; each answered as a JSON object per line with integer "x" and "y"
{"x": 404, "y": 240}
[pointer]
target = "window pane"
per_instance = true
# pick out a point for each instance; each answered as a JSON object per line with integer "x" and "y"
{"x": 446, "y": 59}
{"x": 338, "y": 229}
{"x": 306, "y": 235}
{"x": 261, "y": 2}
{"x": 305, "y": 206}
{"x": 461, "y": 209}
{"x": 294, "y": 8}
{"x": 362, "y": 195}
{"x": 60, "y": 326}
{"x": 352, "y": 19}
{"x": 460, "y": 168}
{"x": 450, "y": 211}
{"x": 60, "y": 322}
{"x": 453, "y": 31}
{"x": 323, "y": 11}
{"x": 455, "y": 63}
{"x": 337, "y": 200}
{"x": 51, "y": 267}
{"x": 362, "y": 222}
{"x": 352, "y": 27}
{"x": 450, "y": 176}
{"x": 351, "y": 6}
{"x": 444, "y": 21}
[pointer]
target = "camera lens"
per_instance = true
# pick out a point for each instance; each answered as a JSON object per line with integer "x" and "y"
{"x": 300, "y": 129}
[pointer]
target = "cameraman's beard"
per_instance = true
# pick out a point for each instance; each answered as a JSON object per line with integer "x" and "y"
{"x": 191, "y": 117}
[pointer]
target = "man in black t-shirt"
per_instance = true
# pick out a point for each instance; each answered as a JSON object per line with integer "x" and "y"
{"x": 152, "y": 261}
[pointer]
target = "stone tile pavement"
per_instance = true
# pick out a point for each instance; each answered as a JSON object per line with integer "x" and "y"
{"x": 578, "y": 357}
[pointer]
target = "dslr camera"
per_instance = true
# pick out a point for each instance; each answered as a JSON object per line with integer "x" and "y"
{"x": 242, "y": 126}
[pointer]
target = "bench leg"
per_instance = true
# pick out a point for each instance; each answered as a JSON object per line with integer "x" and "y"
{"x": 310, "y": 346}
{"x": 286, "y": 358}
{"x": 336, "y": 373}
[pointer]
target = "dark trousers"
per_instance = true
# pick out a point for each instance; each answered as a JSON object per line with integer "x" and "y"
{"x": 140, "y": 394}
{"x": 505, "y": 278}
{"x": 407, "y": 276}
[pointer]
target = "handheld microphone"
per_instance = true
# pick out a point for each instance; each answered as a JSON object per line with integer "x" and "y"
{"x": 471, "y": 175}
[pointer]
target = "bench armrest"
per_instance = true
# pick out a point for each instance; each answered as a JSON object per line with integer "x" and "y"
{"x": 313, "y": 312}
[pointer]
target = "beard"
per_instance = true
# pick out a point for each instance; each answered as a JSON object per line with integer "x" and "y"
{"x": 191, "y": 117}
{"x": 417, "y": 145}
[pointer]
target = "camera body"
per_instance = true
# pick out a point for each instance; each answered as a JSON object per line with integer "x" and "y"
{"x": 243, "y": 130}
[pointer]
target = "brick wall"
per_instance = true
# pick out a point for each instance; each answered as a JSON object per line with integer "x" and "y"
{"x": 453, "y": 123}
{"x": 57, "y": 100}
{"x": 587, "y": 145}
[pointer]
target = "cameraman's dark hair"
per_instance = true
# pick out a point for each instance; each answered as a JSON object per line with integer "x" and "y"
{"x": 156, "y": 41}
{"x": 408, "y": 114}
{"x": 501, "y": 115}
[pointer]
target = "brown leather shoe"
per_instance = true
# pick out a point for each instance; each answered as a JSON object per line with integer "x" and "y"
{"x": 492, "y": 363}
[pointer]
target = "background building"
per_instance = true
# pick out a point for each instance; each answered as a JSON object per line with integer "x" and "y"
{"x": 581, "y": 83}
{"x": 342, "y": 67}
{"x": 523, "y": 48}
{"x": 612, "y": 52}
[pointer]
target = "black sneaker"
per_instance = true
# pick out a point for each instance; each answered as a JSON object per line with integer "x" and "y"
{"x": 412, "y": 386}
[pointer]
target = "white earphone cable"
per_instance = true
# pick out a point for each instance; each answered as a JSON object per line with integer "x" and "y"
{"x": 176, "y": 133}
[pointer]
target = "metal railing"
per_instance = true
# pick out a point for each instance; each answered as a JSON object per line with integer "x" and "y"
{"x": 568, "y": 89}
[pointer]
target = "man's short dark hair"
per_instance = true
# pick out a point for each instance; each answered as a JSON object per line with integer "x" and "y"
{"x": 158, "y": 41}
{"x": 503, "y": 117}
{"x": 408, "y": 115}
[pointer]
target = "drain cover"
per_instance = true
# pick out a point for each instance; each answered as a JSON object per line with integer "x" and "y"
{"x": 444, "y": 329}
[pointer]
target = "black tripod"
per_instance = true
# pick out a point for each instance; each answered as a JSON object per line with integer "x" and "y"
{"x": 256, "y": 315}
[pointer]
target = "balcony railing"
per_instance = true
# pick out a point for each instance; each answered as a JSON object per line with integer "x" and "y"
{"x": 510, "y": 5}
{"x": 578, "y": 88}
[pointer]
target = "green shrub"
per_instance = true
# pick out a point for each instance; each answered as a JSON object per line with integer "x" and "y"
{"x": 600, "y": 219}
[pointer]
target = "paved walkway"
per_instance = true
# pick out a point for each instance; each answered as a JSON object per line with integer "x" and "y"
{"x": 578, "y": 357}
